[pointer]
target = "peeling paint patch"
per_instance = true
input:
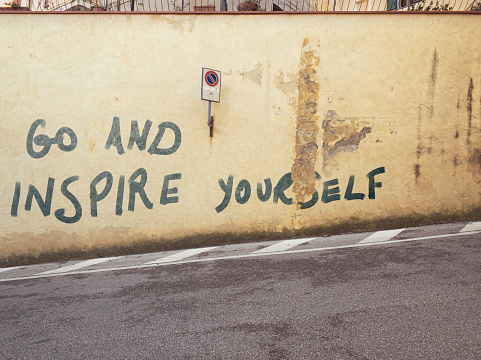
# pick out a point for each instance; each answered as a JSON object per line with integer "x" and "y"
{"x": 177, "y": 23}
{"x": 254, "y": 75}
{"x": 287, "y": 83}
{"x": 341, "y": 134}
{"x": 303, "y": 169}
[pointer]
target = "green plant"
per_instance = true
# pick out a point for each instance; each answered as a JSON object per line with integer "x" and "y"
{"x": 13, "y": 4}
{"x": 420, "y": 6}
{"x": 476, "y": 6}
{"x": 258, "y": 3}
{"x": 178, "y": 7}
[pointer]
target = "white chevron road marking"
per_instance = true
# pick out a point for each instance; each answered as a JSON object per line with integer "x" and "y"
{"x": 181, "y": 258}
{"x": 10, "y": 268}
{"x": 181, "y": 255}
{"x": 474, "y": 226}
{"x": 283, "y": 245}
{"x": 380, "y": 236}
{"x": 77, "y": 266}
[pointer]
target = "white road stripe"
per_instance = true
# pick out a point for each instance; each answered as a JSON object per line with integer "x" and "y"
{"x": 381, "y": 236}
{"x": 474, "y": 226}
{"x": 181, "y": 255}
{"x": 78, "y": 266}
{"x": 283, "y": 245}
{"x": 147, "y": 265}
{"x": 9, "y": 268}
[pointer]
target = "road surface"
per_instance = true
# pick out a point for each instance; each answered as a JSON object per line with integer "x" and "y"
{"x": 399, "y": 294}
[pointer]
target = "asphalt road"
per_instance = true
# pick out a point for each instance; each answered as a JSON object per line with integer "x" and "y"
{"x": 411, "y": 294}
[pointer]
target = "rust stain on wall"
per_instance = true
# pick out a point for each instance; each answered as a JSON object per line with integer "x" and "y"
{"x": 432, "y": 85}
{"x": 474, "y": 151}
{"x": 417, "y": 170}
{"x": 422, "y": 147}
{"x": 469, "y": 100}
{"x": 341, "y": 134}
{"x": 475, "y": 157}
{"x": 419, "y": 148}
{"x": 92, "y": 143}
{"x": 303, "y": 169}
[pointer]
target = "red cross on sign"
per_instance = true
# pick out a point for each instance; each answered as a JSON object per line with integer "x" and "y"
{"x": 211, "y": 78}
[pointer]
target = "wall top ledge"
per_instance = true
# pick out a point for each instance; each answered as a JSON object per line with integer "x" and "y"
{"x": 7, "y": 11}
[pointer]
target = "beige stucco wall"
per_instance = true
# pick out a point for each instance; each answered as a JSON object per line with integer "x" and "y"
{"x": 341, "y": 95}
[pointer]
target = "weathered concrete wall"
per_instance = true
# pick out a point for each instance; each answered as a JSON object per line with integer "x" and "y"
{"x": 322, "y": 118}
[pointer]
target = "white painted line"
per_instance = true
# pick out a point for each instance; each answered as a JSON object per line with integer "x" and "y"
{"x": 474, "y": 226}
{"x": 147, "y": 265}
{"x": 9, "y": 268}
{"x": 283, "y": 245}
{"x": 181, "y": 255}
{"x": 78, "y": 266}
{"x": 380, "y": 236}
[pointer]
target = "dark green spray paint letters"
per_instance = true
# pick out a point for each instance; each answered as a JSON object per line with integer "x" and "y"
{"x": 101, "y": 185}
{"x": 46, "y": 142}
{"x": 115, "y": 138}
{"x": 100, "y": 188}
{"x": 330, "y": 191}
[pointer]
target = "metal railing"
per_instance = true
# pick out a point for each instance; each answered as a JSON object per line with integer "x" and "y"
{"x": 239, "y": 5}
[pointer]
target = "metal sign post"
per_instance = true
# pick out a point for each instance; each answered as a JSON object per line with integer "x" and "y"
{"x": 210, "y": 91}
{"x": 209, "y": 122}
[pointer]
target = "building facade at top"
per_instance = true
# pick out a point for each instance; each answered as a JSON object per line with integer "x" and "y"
{"x": 240, "y": 5}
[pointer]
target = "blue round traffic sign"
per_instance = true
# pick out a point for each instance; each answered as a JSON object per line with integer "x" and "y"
{"x": 211, "y": 78}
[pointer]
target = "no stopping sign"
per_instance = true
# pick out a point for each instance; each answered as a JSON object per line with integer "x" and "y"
{"x": 210, "y": 90}
{"x": 211, "y": 78}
